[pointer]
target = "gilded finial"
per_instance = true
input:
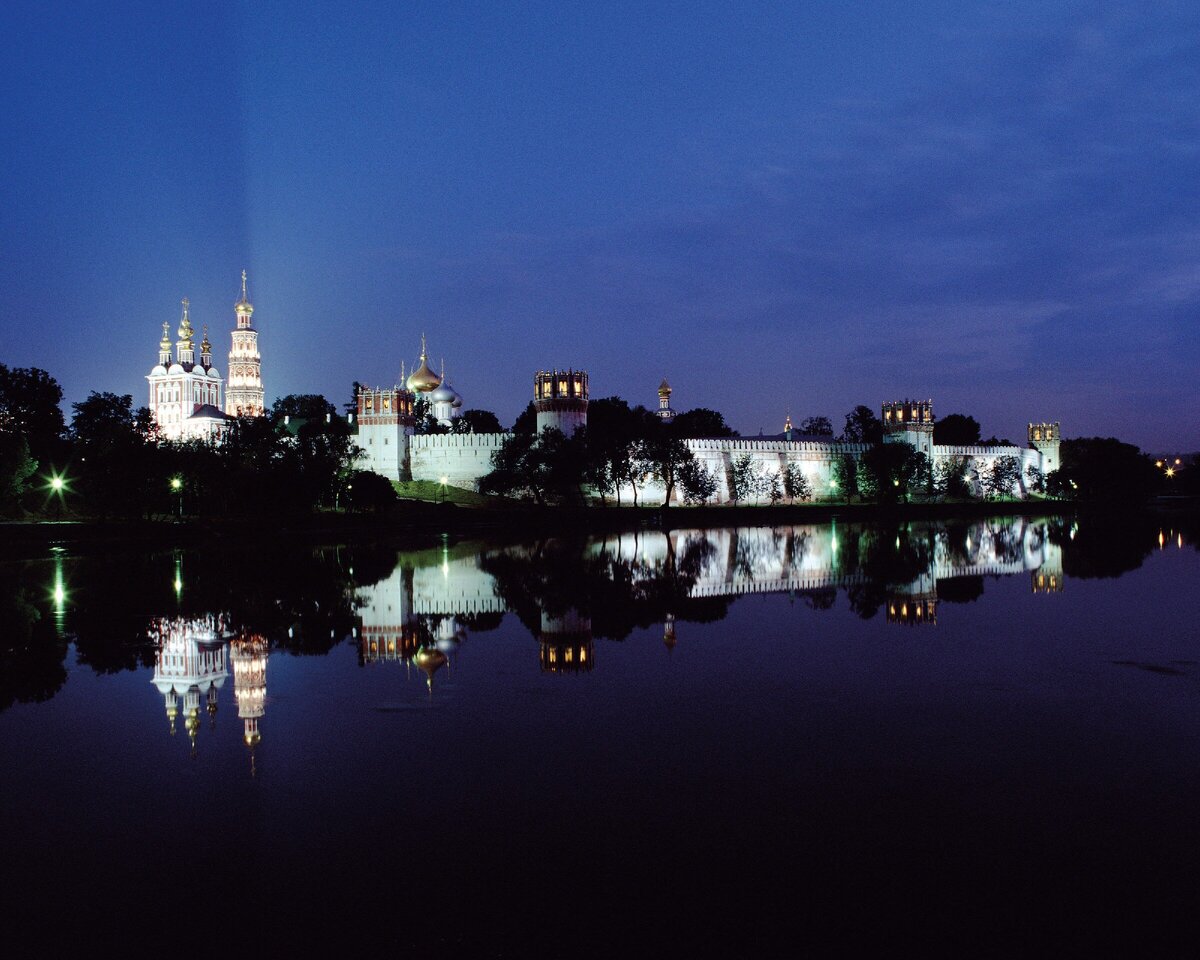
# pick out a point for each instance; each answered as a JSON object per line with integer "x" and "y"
{"x": 423, "y": 347}
{"x": 243, "y": 286}
{"x": 205, "y": 346}
{"x": 165, "y": 343}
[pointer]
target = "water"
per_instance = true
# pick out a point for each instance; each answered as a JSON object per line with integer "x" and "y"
{"x": 980, "y": 737}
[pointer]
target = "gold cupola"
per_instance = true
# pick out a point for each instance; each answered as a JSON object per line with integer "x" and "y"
{"x": 423, "y": 380}
{"x": 186, "y": 333}
{"x": 244, "y": 306}
{"x": 165, "y": 343}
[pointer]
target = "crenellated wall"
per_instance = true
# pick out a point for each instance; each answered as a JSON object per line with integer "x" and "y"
{"x": 462, "y": 458}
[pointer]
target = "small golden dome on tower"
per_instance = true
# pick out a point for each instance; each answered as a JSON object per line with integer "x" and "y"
{"x": 244, "y": 305}
{"x": 165, "y": 342}
{"x": 423, "y": 380}
{"x": 664, "y": 388}
{"x": 205, "y": 346}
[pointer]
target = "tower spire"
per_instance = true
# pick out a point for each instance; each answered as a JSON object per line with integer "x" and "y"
{"x": 243, "y": 286}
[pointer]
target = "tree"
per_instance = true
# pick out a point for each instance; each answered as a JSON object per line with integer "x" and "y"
{"x": 664, "y": 456}
{"x": 1003, "y": 476}
{"x": 773, "y": 487}
{"x": 816, "y": 427}
{"x": 696, "y": 482}
{"x": 743, "y": 480}
{"x": 1103, "y": 469}
{"x": 548, "y": 466}
{"x": 366, "y": 490}
{"x": 16, "y": 467}
{"x": 845, "y": 477}
{"x": 526, "y": 422}
{"x": 117, "y": 462}
{"x": 425, "y": 423}
{"x": 951, "y": 477}
{"x": 30, "y": 405}
{"x": 302, "y": 406}
{"x": 351, "y": 408}
{"x": 795, "y": 483}
{"x": 699, "y": 423}
{"x": 481, "y": 421}
{"x": 862, "y": 426}
{"x": 956, "y": 430}
{"x": 888, "y": 472}
{"x": 1035, "y": 480}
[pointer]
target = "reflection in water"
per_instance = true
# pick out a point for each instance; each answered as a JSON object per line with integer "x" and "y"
{"x": 417, "y": 608}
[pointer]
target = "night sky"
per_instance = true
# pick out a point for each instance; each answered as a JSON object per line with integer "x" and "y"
{"x": 780, "y": 207}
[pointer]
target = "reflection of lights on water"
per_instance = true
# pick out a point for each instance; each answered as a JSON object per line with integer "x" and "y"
{"x": 1161, "y": 539}
{"x": 1179, "y": 541}
{"x": 897, "y": 543}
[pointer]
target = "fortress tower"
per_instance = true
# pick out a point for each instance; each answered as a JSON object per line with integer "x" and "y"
{"x": 665, "y": 413}
{"x": 244, "y": 396}
{"x": 385, "y": 423}
{"x": 566, "y": 643}
{"x": 1045, "y": 439}
{"x": 560, "y": 398}
{"x": 911, "y": 422}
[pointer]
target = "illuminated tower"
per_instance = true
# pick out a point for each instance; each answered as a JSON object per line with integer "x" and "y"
{"x": 665, "y": 413}
{"x": 249, "y": 656}
{"x": 1045, "y": 439}
{"x": 560, "y": 398}
{"x": 244, "y": 397}
{"x": 185, "y": 396}
{"x": 911, "y": 422}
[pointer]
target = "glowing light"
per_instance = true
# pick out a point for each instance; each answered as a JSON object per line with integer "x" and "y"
{"x": 176, "y": 483}
{"x": 833, "y": 484}
{"x": 1170, "y": 471}
{"x": 56, "y": 484}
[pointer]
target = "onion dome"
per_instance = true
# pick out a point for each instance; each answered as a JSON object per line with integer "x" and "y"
{"x": 443, "y": 394}
{"x": 186, "y": 333}
{"x": 458, "y": 400}
{"x": 429, "y": 660}
{"x": 205, "y": 346}
{"x": 165, "y": 343}
{"x": 664, "y": 388}
{"x": 423, "y": 380}
{"x": 244, "y": 305}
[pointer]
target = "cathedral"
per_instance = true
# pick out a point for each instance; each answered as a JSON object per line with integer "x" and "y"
{"x": 186, "y": 393}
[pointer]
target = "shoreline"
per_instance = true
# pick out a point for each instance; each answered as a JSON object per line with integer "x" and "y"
{"x": 418, "y": 522}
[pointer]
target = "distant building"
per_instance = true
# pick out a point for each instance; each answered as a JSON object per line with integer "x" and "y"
{"x": 665, "y": 412}
{"x": 185, "y": 394}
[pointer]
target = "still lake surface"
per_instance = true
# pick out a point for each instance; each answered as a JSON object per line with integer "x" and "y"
{"x": 983, "y": 737}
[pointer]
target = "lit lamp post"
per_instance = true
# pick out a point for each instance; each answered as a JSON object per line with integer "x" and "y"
{"x": 177, "y": 486}
{"x": 57, "y": 487}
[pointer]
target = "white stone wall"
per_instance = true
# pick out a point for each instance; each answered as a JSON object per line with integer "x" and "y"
{"x": 984, "y": 457}
{"x": 462, "y": 458}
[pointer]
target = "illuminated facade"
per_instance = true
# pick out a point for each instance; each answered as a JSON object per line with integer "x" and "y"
{"x": 185, "y": 393}
{"x": 244, "y": 396}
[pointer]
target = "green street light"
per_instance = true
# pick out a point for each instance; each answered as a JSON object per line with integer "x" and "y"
{"x": 177, "y": 486}
{"x": 56, "y": 484}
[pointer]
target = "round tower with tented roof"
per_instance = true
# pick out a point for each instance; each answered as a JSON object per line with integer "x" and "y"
{"x": 560, "y": 398}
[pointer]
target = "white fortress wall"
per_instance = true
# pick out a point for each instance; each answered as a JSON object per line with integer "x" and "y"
{"x": 462, "y": 458}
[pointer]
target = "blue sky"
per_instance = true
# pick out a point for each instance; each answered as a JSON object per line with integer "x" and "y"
{"x": 778, "y": 207}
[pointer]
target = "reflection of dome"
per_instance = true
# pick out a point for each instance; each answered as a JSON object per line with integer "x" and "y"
{"x": 430, "y": 660}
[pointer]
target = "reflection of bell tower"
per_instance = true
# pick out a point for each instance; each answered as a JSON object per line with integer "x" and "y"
{"x": 249, "y": 655}
{"x": 566, "y": 643}
{"x": 669, "y": 632}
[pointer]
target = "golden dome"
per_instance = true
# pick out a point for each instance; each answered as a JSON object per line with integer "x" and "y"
{"x": 185, "y": 325}
{"x": 205, "y": 346}
{"x": 165, "y": 342}
{"x": 664, "y": 388}
{"x": 423, "y": 380}
{"x": 244, "y": 305}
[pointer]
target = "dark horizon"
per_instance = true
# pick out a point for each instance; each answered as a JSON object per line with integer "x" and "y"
{"x": 779, "y": 211}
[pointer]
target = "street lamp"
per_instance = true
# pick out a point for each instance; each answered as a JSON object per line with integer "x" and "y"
{"x": 177, "y": 486}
